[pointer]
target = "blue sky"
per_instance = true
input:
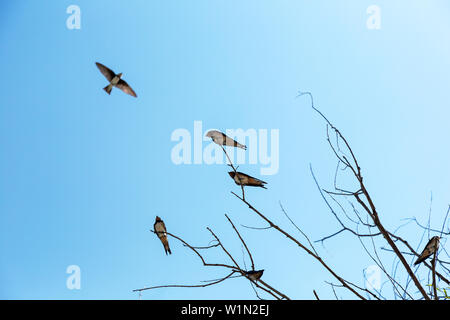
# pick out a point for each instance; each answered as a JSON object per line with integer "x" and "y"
{"x": 83, "y": 174}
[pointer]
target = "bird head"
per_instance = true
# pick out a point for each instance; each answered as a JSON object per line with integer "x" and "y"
{"x": 119, "y": 75}
{"x": 157, "y": 219}
{"x": 213, "y": 134}
{"x": 232, "y": 173}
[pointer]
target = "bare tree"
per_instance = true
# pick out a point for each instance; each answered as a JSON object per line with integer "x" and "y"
{"x": 356, "y": 214}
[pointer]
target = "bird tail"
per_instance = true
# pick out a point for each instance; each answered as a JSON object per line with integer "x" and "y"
{"x": 165, "y": 242}
{"x": 235, "y": 144}
{"x": 108, "y": 88}
{"x": 421, "y": 259}
{"x": 241, "y": 146}
{"x": 167, "y": 248}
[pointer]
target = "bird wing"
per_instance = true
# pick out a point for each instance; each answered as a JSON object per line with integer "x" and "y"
{"x": 258, "y": 274}
{"x": 231, "y": 142}
{"x": 165, "y": 242}
{"x": 123, "y": 85}
{"x": 247, "y": 180}
{"x": 222, "y": 139}
{"x": 428, "y": 251}
{"x": 255, "y": 181}
{"x": 160, "y": 228}
{"x": 161, "y": 232}
{"x": 108, "y": 73}
{"x": 241, "y": 178}
{"x": 432, "y": 245}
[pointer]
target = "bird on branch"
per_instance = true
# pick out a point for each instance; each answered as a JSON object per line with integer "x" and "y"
{"x": 243, "y": 179}
{"x": 254, "y": 274}
{"x": 431, "y": 247}
{"x": 160, "y": 230}
{"x": 223, "y": 140}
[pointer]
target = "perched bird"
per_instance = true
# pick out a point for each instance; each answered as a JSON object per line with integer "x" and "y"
{"x": 254, "y": 275}
{"x": 223, "y": 140}
{"x": 431, "y": 247}
{"x": 246, "y": 180}
{"x": 160, "y": 230}
{"x": 114, "y": 80}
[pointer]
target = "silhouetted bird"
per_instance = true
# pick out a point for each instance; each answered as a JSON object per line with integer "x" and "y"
{"x": 254, "y": 275}
{"x": 429, "y": 250}
{"x": 223, "y": 140}
{"x": 246, "y": 180}
{"x": 160, "y": 230}
{"x": 114, "y": 81}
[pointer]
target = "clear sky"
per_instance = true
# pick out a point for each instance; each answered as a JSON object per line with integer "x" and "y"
{"x": 83, "y": 174}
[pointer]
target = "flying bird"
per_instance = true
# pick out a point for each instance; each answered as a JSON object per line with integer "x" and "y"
{"x": 242, "y": 179}
{"x": 115, "y": 80}
{"x": 223, "y": 140}
{"x": 254, "y": 275}
{"x": 160, "y": 230}
{"x": 431, "y": 247}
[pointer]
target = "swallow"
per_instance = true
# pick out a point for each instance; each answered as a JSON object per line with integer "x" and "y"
{"x": 223, "y": 140}
{"x": 246, "y": 180}
{"x": 115, "y": 81}
{"x": 254, "y": 275}
{"x": 431, "y": 247}
{"x": 160, "y": 230}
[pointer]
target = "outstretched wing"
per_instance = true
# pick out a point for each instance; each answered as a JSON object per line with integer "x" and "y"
{"x": 108, "y": 73}
{"x": 123, "y": 85}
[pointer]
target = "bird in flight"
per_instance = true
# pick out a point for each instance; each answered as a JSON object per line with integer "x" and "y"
{"x": 160, "y": 230}
{"x": 223, "y": 140}
{"x": 115, "y": 80}
{"x": 242, "y": 179}
{"x": 431, "y": 247}
{"x": 254, "y": 275}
